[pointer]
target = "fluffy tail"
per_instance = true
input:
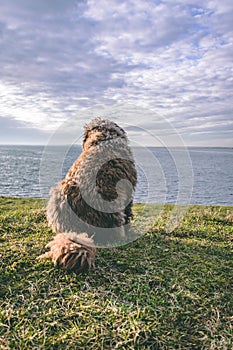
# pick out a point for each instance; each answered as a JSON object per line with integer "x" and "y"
{"x": 75, "y": 252}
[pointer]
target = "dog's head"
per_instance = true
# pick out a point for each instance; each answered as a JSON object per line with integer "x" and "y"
{"x": 99, "y": 130}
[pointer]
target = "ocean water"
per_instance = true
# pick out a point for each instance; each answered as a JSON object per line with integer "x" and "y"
{"x": 184, "y": 176}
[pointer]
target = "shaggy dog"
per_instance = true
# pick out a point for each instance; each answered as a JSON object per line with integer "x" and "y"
{"x": 92, "y": 205}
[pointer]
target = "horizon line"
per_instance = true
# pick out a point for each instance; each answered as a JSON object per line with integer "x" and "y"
{"x": 80, "y": 145}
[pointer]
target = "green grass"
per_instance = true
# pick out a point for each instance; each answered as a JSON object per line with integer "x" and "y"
{"x": 163, "y": 291}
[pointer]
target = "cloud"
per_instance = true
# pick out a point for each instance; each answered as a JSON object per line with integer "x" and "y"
{"x": 15, "y": 132}
{"x": 174, "y": 57}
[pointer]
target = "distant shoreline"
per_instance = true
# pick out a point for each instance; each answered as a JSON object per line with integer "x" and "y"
{"x": 135, "y": 203}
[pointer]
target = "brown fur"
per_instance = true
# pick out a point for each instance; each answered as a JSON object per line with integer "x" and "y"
{"x": 106, "y": 151}
{"x": 71, "y": 255}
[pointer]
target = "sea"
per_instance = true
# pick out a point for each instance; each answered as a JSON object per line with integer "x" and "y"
{"x": 194, "y": 175}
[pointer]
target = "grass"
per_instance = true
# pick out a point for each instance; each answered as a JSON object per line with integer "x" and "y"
{"x": 162, "y": 291}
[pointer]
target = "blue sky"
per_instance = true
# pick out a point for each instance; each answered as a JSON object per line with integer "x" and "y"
{"x": 174, "y": 58}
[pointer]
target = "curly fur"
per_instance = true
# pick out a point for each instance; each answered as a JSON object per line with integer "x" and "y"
{"x": 71, "y": 255}
{"x": 106, "y": 153}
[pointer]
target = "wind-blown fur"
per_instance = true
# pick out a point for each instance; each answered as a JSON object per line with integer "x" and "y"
{"x": 94, "y": 199}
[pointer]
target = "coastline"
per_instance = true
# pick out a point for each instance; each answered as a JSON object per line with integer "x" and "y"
{"x": 135, "y": 203}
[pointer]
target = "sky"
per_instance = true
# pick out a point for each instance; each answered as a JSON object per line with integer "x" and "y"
{"x": 60, "y": 60}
